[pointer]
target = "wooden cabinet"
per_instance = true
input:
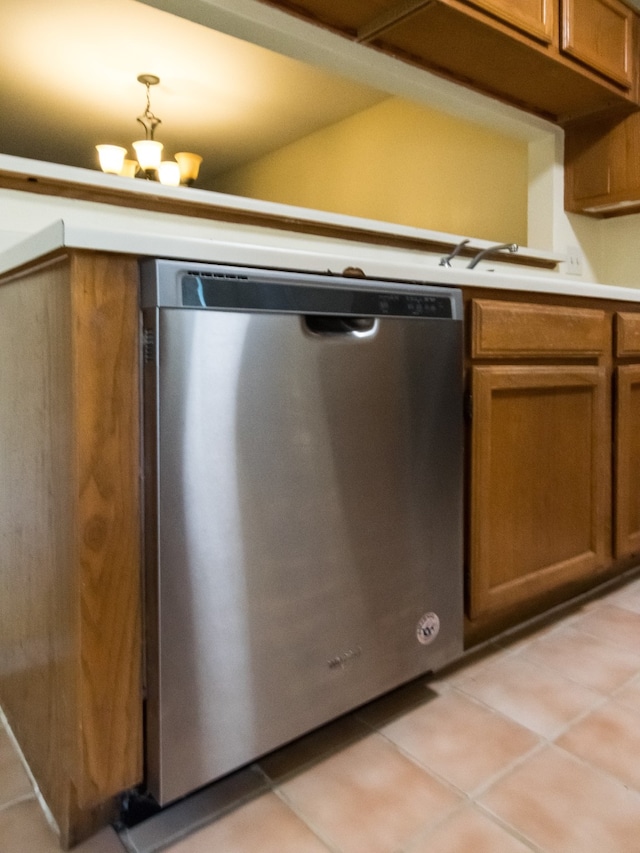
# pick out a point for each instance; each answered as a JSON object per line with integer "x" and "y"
{"x": 70, "y": 606}
{"x": 627, "y": 436}
{"x": 602, "y": 166}
{"x": 536, "y": 18}
{"x": 539, "y": 511}
{"x": 539, "y": 481}
{"x": 557, "y": 58}
{"x": 599, "y": 33}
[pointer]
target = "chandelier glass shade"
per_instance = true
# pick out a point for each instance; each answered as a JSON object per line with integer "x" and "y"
{"x": 148, "y": 151}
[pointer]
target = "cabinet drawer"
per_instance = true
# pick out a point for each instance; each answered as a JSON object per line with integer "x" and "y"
{"x": 509, "y": 329}
{"x": 627, "y": 334}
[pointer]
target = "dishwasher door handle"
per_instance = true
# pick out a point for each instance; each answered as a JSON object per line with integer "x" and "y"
{"x": 331, "y": 325}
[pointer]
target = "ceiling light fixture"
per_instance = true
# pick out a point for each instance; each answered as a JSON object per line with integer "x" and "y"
{"x": 182, "y": 170}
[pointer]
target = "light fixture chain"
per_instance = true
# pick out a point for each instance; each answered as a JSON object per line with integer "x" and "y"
{"x": 148, "y": 120}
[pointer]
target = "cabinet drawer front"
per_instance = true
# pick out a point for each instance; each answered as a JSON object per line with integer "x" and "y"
{"x": 600, "y": 34}
{"x": 509, "y": 329}
{"x": 627, "y": 334}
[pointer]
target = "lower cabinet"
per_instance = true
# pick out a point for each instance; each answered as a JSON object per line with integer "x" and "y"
{"x": 540, "y": 481}
{"x": 627, "y": 461}
{"x": 627, "y": 435}
{"x": 539, "y": 501}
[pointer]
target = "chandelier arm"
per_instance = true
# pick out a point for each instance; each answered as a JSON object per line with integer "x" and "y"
{"x": 149, "y": 122}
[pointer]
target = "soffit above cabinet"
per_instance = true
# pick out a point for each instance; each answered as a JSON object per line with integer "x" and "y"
{"x": 513, "y": 51}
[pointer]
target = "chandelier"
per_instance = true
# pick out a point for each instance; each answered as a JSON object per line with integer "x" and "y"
{"x": 183, "y": 169}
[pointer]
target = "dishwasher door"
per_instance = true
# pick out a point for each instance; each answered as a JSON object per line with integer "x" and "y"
{"x": 304, "y": 492}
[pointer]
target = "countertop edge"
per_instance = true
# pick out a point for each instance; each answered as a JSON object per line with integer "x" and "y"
{"x": 327, "y": 256}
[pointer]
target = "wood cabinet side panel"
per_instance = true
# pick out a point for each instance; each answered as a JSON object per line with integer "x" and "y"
{"x": 38, "y": 589}
{"x": 106, "y": 386}
{"x": 627, "y": 456}
{"x": 508, "y": 329}
{"x": 540, "y": 482}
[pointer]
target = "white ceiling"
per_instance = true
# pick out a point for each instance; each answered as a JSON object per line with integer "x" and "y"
{"x": 68, "y": 74}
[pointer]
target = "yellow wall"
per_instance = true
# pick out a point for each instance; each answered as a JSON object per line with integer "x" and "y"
{"x": 400, "y": 162}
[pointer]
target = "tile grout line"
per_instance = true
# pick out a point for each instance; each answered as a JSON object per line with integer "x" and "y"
{"x": 511, "y": 830}
{"x": 327, "y": 841}
{"x": 25, "y": 798}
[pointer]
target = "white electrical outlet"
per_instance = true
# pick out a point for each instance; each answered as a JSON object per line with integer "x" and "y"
{"x": 574, "y": 260}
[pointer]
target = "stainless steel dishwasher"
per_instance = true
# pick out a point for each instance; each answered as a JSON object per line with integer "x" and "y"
{"x": 303, "y": 482}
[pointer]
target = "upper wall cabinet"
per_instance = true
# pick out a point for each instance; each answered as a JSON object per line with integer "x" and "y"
{"x": 536, "y": 18}
{"x": 557, "y": 58}
{"x": 600, "y": 34}
{"x": 602, "y": 166}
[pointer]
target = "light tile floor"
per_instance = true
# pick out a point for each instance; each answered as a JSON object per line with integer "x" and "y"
{"x": 531, "y": 744}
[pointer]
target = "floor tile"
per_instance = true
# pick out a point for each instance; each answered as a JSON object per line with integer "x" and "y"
{"x": 614, "y": 624}
{"x": 563, "y": 806}
{"x": 311, "y": 748}
{"x": 368, "y": 798}
{"x": 24, "y": 829}
{"x": 540, "y": 699}
{"x": 460, "y": 740}
{"x": 584, "y": 658}
{"x": 608, "y": 738}
{"x": 629, "y": 695}
{"x": 14, "y": 782}
{"x": 105, "y": 841}
{"x": 472, "y": 662}
{"x": 264, "y": 825}
{"x": 397, "y": 703}
{"x": 469, "y": 831}
{"x": 628, "y": 597}
{"x": 517, "y": 639}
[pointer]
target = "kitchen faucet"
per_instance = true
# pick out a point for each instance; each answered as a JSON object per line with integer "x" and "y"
{"x": 509, "y": 247}
{"x": 446, "y": 260}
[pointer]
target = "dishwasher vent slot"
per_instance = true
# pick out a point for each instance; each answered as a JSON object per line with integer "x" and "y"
{"x": 149, "y": 346}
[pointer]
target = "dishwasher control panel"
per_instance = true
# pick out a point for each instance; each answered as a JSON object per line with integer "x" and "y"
{"x": 221, "y": 287}
{"x": 201, "y": 291}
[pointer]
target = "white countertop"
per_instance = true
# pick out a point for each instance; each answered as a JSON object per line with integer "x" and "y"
{"x": 264, "y": 247}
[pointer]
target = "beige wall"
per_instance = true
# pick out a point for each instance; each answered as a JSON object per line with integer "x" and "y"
{"x": 404, "y": 163}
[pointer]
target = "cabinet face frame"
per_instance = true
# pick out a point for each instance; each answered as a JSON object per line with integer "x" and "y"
{"x": 486, "y": 595}
{"x": 627, "y": 461}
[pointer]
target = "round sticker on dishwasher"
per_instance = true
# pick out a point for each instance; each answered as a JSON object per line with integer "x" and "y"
{"x": 428, "y": 628}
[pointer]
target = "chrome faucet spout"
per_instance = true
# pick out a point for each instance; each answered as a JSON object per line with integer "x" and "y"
{"x": 446, "y": 260}
{"x": 508, "y": 247}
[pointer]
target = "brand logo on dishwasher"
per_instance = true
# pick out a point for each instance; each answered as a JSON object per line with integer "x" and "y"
{"x": 344, "y": 658}
{"x": 428, "y": 628}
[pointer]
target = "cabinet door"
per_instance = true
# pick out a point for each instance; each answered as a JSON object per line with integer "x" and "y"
{"x": 602, "y": 165}
{"x": 599, "y": 33}
{"x": 627, "y": 461}
{"x": 534, "y": 17}
{"x": 540, "y": 482}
